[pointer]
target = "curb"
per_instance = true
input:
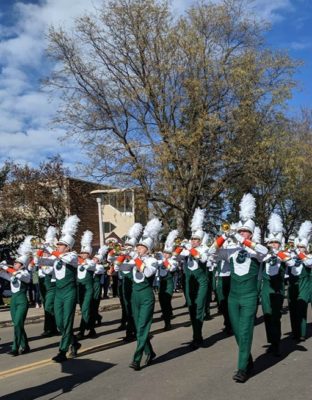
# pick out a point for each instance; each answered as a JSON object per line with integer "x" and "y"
{"x": 40, "y": 318}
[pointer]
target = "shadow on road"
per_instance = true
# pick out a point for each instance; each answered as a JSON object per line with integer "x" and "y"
{"x": 266, "y": 361}
{"x": 76, "y": 372}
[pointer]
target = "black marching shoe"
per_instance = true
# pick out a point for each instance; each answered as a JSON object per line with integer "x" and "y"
{"x": 99, "y": 320}
{"x": 46, "y": 334}
{"x": 274, "y": 350}
{"x": 92, "y": 334}
{"x": 60, "y": 357}
{"x": 74, "y": 349}
{"x": 135, "y": 365}
{"x": 80, "y": 336}
{"x": 150, "y": 357}
{"x": 13, "y": 353}
{"x": 196, "y": 344}
{"x": 241, "y": 376}
{"x": 129, "y": 337}
{"x": 168, "y": 327}
{"x": 25, "y": 350}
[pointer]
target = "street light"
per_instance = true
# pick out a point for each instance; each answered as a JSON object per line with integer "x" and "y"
{"x": 99, "y": 201}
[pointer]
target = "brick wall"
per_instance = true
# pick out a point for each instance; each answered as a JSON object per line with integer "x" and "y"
{"x": 84, "y": 204}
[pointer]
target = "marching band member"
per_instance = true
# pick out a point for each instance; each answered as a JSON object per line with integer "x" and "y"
{"x": 224, "y": 286}
{"x": 98, "y": 273}
{"x": 166, "y": 267}
{"x": 245, "y": 259}
{"x": 85, "y": 275}
{"x": 65, "y": 272}
{"x": 143, "y": 300}
{"x": 196, "y": 283}
{"x": 19, "y": 278}
{"x": 272, "y": 294}
{"x": 299, "y": 292}
{"x": 126, "y": 277}
{"x": 113, "y": 252}
{"x": 45, "y": 262}
{"x": 116, "y": 278}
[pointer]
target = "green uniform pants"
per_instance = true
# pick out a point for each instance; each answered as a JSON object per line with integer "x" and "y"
{"x": 209, "y": 292}
{"x": 18, "y": 309}
{"x": 143, "y": 302}
{"x": 127, "y": 296}
{"x": 120, "y": 289}
{"x": 196, "y": 293}
{"x": 298, "y": 297}
{"x": 64, "y": 309}
{"x": 223, "y": 291}
{"x": 272, "y": 297}
{"x": 85, "y": 296}
{"x": 47, "y": 292}
{"x": 242, "y": 311}
{"x": 165, "y": 295}
{"x": 95, "y": 303}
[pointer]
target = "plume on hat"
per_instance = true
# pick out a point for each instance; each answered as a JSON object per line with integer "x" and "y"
{"x": 86, "y": 239}
{"x": 198, "y": 219}
{"x": 50, "y": 235}
{"x": 247, "y": 207}
{"x": 103, "y": 250}
{"x": 70, "y": 225}
{"x": 305, "y": 230}
{"x": 275, "y": 223}
{"x": 135, "y": 231}
{"x": 152, "y": 229}
{"x": 256, "y": 236}
{"x": 171, "y": 238}
{"x": 25, "y": 247}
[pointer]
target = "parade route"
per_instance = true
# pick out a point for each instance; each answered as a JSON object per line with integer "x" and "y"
{"x": 101, "y": 369}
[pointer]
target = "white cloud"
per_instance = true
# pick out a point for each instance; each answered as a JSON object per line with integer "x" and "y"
{"x": 300, "y": 45}
{"x": 269, "y": 10}
{"x": 25, "y": 109}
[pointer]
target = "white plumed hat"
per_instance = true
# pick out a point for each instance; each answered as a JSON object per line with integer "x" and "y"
{"x": 50, "y": 236}
{"x": 133, "y": 234}
{"x": 197, "y": 223}
{"x": 150, "y": 233}
{"x": 25, "y": 251}
{"x": 256, "y": 237}
{"x": 101, "y": 253}
{"x": 247, "y": 213}
{"x": 169, "y": 244}
{"x": 275, "y": 227}
{"x": 69, "y": 230}
{"x": 86, "y": 241}
{"x": 304, "y": 233}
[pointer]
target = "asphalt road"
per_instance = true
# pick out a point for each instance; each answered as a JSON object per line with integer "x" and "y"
{"x": 102, "y": 372}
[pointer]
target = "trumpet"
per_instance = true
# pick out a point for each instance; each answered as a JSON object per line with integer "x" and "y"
{"x": 225, "y": 227}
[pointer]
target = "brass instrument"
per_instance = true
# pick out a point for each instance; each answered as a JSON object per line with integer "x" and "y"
{"x": 225, "y": 227}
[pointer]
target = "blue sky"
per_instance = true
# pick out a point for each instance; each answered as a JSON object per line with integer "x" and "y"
{"x": 26, "y": 111}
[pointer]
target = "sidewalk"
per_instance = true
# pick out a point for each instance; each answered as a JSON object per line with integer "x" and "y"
{"x": 35, "y": 315}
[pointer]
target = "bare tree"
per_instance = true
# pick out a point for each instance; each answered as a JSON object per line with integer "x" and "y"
{"x": 179, "y": 106}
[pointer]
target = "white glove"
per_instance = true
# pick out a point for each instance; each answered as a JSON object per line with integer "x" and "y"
{"x": 238, "y": 237}
{"x": 47, "y": 248}
{"x": 103, "y": 250}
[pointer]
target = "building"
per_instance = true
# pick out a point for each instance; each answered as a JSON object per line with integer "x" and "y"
{"x": 46, "y": 203}
{"x": 118, "y": 210}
